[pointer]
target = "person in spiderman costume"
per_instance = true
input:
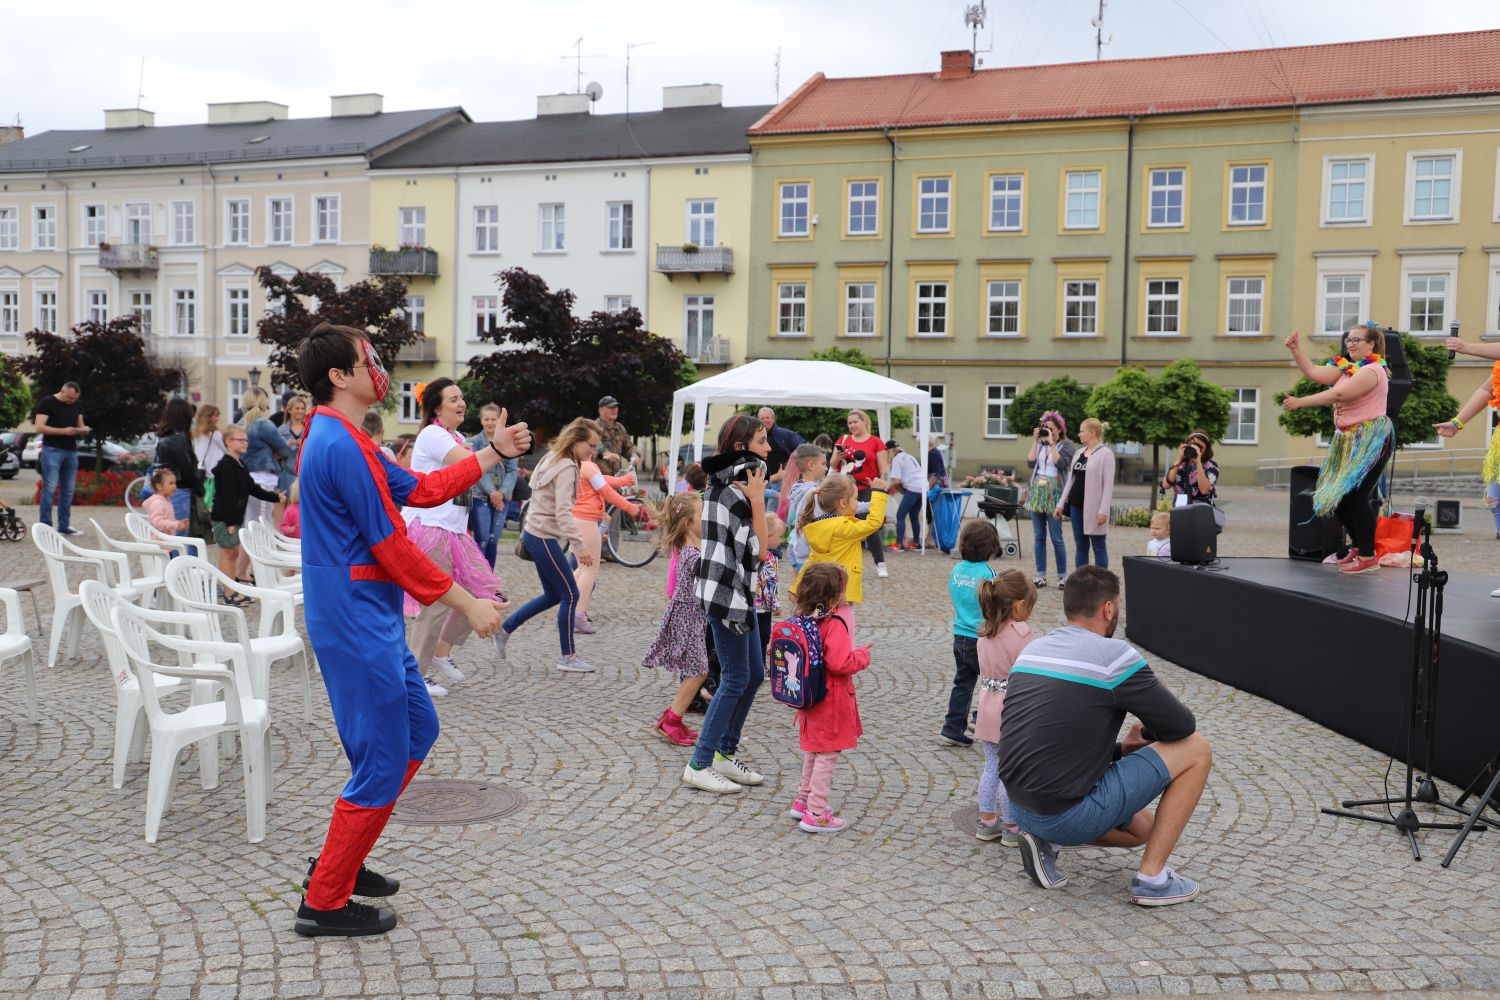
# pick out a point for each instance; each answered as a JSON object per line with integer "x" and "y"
{"x": 356, "y": 561}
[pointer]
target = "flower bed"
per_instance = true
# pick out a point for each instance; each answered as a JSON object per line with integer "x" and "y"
{"x": 94, "y": 490}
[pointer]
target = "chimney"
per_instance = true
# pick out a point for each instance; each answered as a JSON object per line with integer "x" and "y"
{"x": 957, "y": 65}
{"x": 701, "y": 95}
{"x": 562, "y": 104}
{"x": 129, "y": 118}
{"x": 243, "y": 112}
{"x": 11, "y": 133}
{"x": 349, "y": 105}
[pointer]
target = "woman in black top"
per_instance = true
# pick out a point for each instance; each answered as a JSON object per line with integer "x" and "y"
{"x": 174, "y": 450}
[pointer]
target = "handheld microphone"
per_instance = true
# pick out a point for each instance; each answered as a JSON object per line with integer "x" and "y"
{"x": 1419, "y": 519}
{"x": 1453, "y": 332}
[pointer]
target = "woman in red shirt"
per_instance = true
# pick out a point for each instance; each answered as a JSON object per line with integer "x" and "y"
{"x": 863, "y": 457}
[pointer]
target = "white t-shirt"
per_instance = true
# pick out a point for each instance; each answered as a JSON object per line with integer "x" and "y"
{"x": 431, "y": 446}
{"x": 1161, "y": 548}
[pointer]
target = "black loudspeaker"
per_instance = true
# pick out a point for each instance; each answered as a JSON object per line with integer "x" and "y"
{"x": 1195, "y": 534}
{"x": 1395, "y": 356}
{"x": 1448, "y": 516}
{"x": 1309, "y": 537}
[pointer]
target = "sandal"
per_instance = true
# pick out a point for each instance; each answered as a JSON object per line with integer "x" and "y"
{"x": 237, "y": 601}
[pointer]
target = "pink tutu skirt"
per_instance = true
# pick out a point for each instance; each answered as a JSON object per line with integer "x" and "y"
{"x": 456, "y": 554}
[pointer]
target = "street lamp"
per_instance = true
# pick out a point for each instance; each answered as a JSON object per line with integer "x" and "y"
{"x": 254, "y": 374}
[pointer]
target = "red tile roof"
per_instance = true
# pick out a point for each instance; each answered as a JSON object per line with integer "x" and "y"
{"x": 1463, "y": 64}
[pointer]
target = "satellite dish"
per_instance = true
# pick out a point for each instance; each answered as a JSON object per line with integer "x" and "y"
{"x": 594, "y": 91}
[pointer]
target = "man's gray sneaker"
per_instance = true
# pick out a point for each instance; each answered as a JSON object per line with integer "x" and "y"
{"x": 575, "y": 665}
{"x": 1176, "y": 889}
{"x": 1040, "y": 862}
{"x": 501, "y": 638}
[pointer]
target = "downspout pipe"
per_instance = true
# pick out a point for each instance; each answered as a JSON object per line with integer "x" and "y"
{"x": 1125, "y": 269}
{"x": 890, "y": 255}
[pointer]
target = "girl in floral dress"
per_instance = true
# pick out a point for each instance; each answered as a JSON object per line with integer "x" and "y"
{"x": 681, "y": 642}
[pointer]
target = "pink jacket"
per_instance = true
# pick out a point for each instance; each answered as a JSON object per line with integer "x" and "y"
{"x": 996, "y": 655}
{"x": 833, "y": 723}
{"x": 291, "y": 521}
{"x": 159, "y": 511}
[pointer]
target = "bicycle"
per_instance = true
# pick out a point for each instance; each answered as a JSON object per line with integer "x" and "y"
{"x": 628, "y": 537}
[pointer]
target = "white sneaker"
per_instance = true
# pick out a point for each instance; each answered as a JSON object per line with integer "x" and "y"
{"x": 734, "y": 770}
{"x": 444, "y": 666}
{"x": 1495, "y": 593}
{"x": 881, "y": 571}
{"x": 436, "y": 690}
{"x": 708, "y": 780}
{"x": 574, "y": 665}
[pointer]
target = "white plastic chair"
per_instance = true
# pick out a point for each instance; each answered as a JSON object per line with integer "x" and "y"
{"x": 274, "y": 568}
{"x": 139, "y": 526}
{"x": 15, "y": 642}
{"x": 172, "y": 732}
{"x": 152, "y": 559}
{"x": 195, "y": 585}
{"x": 109, "y": 568}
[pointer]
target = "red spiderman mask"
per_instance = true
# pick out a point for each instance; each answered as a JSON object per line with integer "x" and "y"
{"x": 378, "y": 375}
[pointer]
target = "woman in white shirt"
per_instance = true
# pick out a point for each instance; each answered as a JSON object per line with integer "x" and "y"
{"x": 442, "y": 532}
{"x": 208, "y": 443}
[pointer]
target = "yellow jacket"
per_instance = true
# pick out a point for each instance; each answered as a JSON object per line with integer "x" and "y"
{"x": 840, "y": 540}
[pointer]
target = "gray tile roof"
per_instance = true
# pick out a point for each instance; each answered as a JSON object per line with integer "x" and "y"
{"x": 693, "y": 131}
{"x": 191, "y": 145}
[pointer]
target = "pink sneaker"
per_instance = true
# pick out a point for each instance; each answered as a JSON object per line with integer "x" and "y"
{"x": 798, "y": 810}
{"x": 1359, "y": 564}
{"x": 1334, "y": 560}
{"x": 826, "y": 823}
{"x": 673, "y": 731}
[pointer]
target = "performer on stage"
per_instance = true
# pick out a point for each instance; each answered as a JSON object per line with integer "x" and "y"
{"x": 1487, "y": 394}
{"x": 356, "y": 561}
{"x": 1363, "y": 437}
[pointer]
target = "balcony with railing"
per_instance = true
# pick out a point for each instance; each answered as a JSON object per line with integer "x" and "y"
{"x": 128, "y": 257}
{"x": 423, "y": 351}
{"x": 407, "y": 262}
{"x": 688, "y": 258}
{"x": 708, "y": 351}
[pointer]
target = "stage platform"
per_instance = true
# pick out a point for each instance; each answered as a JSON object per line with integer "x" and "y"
{"x": 1336, "y": 649}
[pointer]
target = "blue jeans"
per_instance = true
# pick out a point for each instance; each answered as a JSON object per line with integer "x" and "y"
{"x": 1131, "y": 784}
{"x": 1493, "y": 490}
{"x": 911, "y": 507}
{"x": 484, "y": 524}
{"x": 1082, "y": 543}
{"x": 559, "y": 590}
{"x": 965, "y": 676}
{"x": 741, "y": 669}
{"x": 59, "y": 470}
{"x": 1043, "y": 525}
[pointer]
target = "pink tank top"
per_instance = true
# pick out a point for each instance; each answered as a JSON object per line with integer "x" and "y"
{"x": 1367, "y": 407}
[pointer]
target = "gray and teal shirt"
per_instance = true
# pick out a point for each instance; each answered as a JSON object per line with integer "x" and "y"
{"x": 1068, "y": 694}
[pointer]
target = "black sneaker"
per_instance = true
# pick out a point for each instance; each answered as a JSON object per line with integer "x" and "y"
{"x": 353, "y": 920}
{"x": 366, "y": 883}
{"x": 699, "y": 704}
{"x": 961, "y": 740}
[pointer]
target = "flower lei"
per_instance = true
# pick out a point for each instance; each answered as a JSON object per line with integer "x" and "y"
{"x": 1349, "y": 367}
{"x": 1495, "y": 386}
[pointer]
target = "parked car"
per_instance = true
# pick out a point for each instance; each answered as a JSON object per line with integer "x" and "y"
{"x": 10, "y": 455}
{"x": 116, "y": 455}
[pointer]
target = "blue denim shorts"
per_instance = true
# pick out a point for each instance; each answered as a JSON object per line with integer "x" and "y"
{"x": 1131, "y": 784}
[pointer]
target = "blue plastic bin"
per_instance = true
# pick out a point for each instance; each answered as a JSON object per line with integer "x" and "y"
{"x": 947, "y": 512}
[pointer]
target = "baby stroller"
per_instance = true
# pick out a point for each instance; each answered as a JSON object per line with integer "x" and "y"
{"x": 12, "y": 528}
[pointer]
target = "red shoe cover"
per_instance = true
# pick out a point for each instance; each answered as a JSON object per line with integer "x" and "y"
{"x": 351, "y": 835}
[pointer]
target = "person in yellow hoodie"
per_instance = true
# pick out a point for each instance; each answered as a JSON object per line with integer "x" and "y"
{"x": 835, "y": 531}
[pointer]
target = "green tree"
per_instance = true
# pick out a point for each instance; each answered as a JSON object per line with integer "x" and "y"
{"x": 810, "y": 421}
{"x": 1062, "y": 394}
{"x": 15, "y": 394}
{"x": 376, "y": 306}
{"x": 1160, "y": 411}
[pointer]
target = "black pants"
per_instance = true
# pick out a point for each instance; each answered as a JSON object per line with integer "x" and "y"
{"x": 965, "y": 676}
{"x": 873, "y": 543}
{"x": 1357, "y": 510}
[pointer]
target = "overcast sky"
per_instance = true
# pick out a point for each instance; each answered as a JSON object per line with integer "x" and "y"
{"x": 63, "y": 63}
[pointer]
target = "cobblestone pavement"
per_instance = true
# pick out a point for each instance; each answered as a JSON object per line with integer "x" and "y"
{"x": 615, "y": 880}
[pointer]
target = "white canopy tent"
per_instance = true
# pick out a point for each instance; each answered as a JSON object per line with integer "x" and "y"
{"x": 773, "y": 383}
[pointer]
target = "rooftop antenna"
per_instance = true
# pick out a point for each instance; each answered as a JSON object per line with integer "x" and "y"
{"x": 140, "y": 87}
{"x": 1100, "y": 39}
{"x": 974, "y": 16}
{"x": 628, "y": 47}
{"x": 578, "y": 57}
{"x": 776, "y": 77}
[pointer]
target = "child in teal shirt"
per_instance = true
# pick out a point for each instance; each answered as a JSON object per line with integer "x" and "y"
{"x": 978, "y": 543}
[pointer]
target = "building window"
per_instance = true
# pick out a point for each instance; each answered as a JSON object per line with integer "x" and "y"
{"x": 411, "y": 226}
{"x": 698, "y": 325}
{"x": 1003, "y": 308}
{"x": 44, "y": 228}
{"x": 796, "y": 203}
{"x": 1164, "y": 307}
{"x": 616, "y": 304}
{"x": 1245, "y": 307}
{"x": 859, "y": 309}
{"x": 932, "y": 309}
{"x": 10, "y": 229}
{"x": 326, "y": 218}
{"x": 280, "y": 212}
{"x": 1244, "y": 417}
{"x": 934, "y": 195}
{"x": 864, "y": 208}
{"x": 487, "y": 229}
{"x": 184, "y": 312}
{"x": 411, "y": 406}
{"x": 1432, "y": 187}
{"x": 416, "y": 313}
{"x": 93, "y": 225}
{"x": 1247, "y": 195}
{"x": 138, "y": 222}
{"x": 1341, "y": 297}
{"x": 10, "y": 313}
{"x": 235, "y": 391}
{"x": 1345, "y": 188}
{"x": 791, "y": 309}
{"x": 1006, "y": 200}
{"x": 238, "y": 227}
{"x": 96, "y": 306}
{"x": 1080, "y": 308}
{"x": 621, "y": 225}
{"x": 237, "y": 309}
{"x": 703, "y": 222}
{"x": 939, "y": 393}
{"x": 486, "y": 315}
{"x": 1082, "y": 208}
{"x": 46, "y": 311}
{"x": 553, "y": 225}
{"x": 997, "y": 400}
{"x": 1167, "y": 189}
{"x": 1428, "y": 295}
{"x": 184, "y": 230}
{"x": 141, "y": 309}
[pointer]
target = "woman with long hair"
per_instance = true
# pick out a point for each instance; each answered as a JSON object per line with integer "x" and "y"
{"x": 1088, "y": 493}
{"x": 174, "y": 450}
{"x": 1194, "y": 474}
{"x": 442, "y": 533}
{"x": 1050, "y": 458}
{"x": 292, "y": 428}
{"x": 263, "y": 457}
{"x": 595, "y": 489}
{"x": 863, "y": 457}
{"x": 208, "y": 440}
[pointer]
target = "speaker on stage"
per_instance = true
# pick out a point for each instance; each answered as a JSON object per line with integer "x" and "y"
{"x": 1309, "y": 537}
{"x": 1195, "y": 534}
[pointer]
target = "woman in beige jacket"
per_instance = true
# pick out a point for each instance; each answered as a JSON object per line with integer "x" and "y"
{"x": 1088, "y": 492}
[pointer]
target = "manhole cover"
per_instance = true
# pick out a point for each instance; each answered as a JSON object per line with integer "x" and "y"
{"x": 454, "y": 802}
{"x": 964, "y": 819}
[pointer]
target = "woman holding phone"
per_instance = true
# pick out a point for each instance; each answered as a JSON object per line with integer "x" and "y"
{"x": 863, "y": 457}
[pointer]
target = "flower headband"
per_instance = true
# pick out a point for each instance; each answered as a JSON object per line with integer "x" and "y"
{"x": 1058, "y": 418}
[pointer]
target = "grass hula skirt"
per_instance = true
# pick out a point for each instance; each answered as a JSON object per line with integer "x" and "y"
{"x": 1491, "y": 468}
{"x": 1351, "y": 455}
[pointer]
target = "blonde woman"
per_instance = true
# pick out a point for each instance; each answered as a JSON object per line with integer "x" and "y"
{"x": 265, "y": 453}
{"x": 291, "y": 430}
{"x": 1087, "y": 494}
{"x": 864, "y": 458}
{"x": 208, "y": 440}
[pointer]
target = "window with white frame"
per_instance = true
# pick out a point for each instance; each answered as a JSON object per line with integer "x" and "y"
{"x": 1346, "y": 190}
{"x": 796, "y": 203}
{"x": 859, "y": 309}
{"x": 1081, "y": 210}
{"x": 703, "y": 222}
{"x": 1433, "y": 191}
{"x": 1163, "y": 307}
{"x": 934, "y": 203}
{"x": 237, "y": 311}
{"x": 279, "y": 211}
{"x": 411, "y": 226}
{"x": 138, "y": 222}
{"x": 184, "y": 312}
{"x": 44, "y": 228}
{"x": 1080, "y": 308}
{"x": 184, "y": 228}
{"x": 1167, "y": 188}
{"x": 621, "y": 225}
{"x": 864, "y": 208}
{"x": 487, "y": 229}
{"x": 486, "y": 315}
{"x": 932, "y": 309}
{"x": 93, "y": 225}
{"x": 141, "y": 309}
{"x": 326, "y": 221}
{"x": 698, "y": 324}
{"x": 1003, "y": 308}
{"x": 235, "y": 389}
{"x": 553, "y": 222}
{"x": 997, "y": 400}
{"x": 411, "y": 406}
{"x": 237, "y": 222}
{"x": 1342, "y": 294}
{"x": 616, "y": 304}
{"x": 96, "y": 306}
{"x": 1247, "y": 194}
{"x": 939, "y": 393}
{"x": 791, "y": 309}
{"x": 416, "y": 313}
{"x": 1427, "y": 303}
{"x": 1007, "y": 195}
{"x": 10, "y": 228}
{"x": 1244, "y": 417}
{"x": 46, "y": 310}
{"x": 1245, "y": 307}
{"x": 10, "y": 313}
